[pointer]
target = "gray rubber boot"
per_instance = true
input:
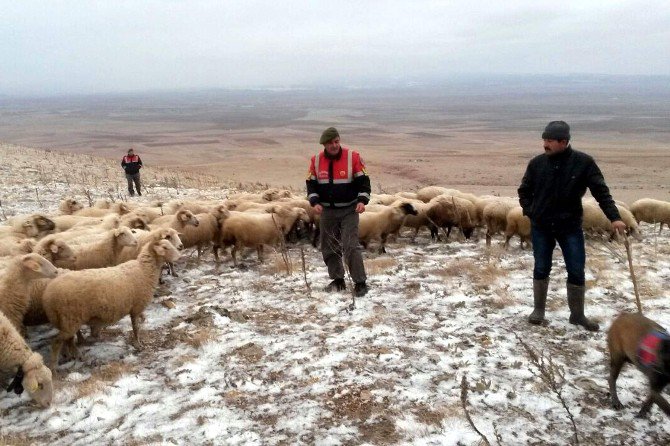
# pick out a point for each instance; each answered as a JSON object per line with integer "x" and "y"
{"x": 540, "y": 288}
{"x": 576, "y": 304}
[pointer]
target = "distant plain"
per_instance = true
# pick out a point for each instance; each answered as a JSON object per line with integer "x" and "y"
{"x": 474, "y": 135}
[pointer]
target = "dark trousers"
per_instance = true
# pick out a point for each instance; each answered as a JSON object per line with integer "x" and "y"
{"x": 339, "y": 239}
{"x": 571, "y": 242}
{"x": 133, "y": 178}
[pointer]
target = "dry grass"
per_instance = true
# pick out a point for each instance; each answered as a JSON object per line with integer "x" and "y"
{"x": 380, "y": 265}
{"x": 275, "y": 264}
{"x": 15, "y": 440}
{"x": 103, "y": 376}
{"x": 434, "y": 415}
{"x": 502, "y": 298}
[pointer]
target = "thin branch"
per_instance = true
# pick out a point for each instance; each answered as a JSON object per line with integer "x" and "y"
{"x": 553, "y": 377}
{"x": 464, "y": 404}
{"x": 629, "y": 253}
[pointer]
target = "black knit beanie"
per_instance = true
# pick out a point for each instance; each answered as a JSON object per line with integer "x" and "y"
{"x": 328, "y": 135}
{"x": 557, "y": 130}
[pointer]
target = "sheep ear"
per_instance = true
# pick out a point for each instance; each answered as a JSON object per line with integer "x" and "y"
{"x": 160, "y": 250}
{"x": 31, "y": 264}
{"x": 182, "y": 216}
{"x": 53, "y": 248}
{"x": 27, "y": 224}
{"x": 30, "y": 382}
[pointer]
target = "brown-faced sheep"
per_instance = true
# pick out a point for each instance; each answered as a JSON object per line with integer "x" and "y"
{"x": 595, "y": 221}
{"x": 101, "y": 297}
{"x": 376, "y": 226}
{"x": 16, "y": 355}
{"x": 652, "y": 211}
{"x": 28, "y": 226}
{"x": 15, "y": 285}
{"x": 420, "y": 220}
{"x": 255, "y": 230}
{"x": 446, "y": 211}
{"x": 517, "y": 224}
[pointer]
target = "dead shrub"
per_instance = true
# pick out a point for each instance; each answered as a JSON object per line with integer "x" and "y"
{"x": 101, "y": 377}
{"x": 380, "y": 265}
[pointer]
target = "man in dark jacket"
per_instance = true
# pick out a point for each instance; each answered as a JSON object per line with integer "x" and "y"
{"x": 132, "y": 164}
{"x": 551, "y": 194}
{"x": 338, "y": 188}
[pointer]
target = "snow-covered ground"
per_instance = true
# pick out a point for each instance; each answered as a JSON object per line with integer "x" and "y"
{"x": 253, "y": 355}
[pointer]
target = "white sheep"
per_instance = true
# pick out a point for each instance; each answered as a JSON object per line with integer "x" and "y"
{"x": 494, "y": 217}
{"x": 595, "y": 221}
{"x": 376, "y": 226}
{"x": 652, "y": 211}
{"x": 115, "y": 208}
{"x": 255, "y": 230}
{"x": 15, "y": 355}
{"x": 177, "y": 221}
{"x": 517, "y": 224}
{"x": 58, "y": 252}
{"x": 101, "y": 297}
{"x": 66, "y": 222}
{"x": 144, "y": 237}
{"x": 383, "y": 199}
{"x": 104, "y": 252}
{"x": 15, "y": 285}
{"x": 11, "y": 246}
{"x": 69, "y": 206}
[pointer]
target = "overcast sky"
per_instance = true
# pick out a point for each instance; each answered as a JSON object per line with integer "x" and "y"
{"x": 71, "y": 46}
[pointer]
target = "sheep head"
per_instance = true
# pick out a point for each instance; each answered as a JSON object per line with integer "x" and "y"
{"x": 138, "y": 223}
{"x": 37, "y": 380}
{"x": 170, "y": 235}
{"x": 36, "y": 267}
{"x": 43, "y": 223}
{"x": 166, "y": 250}
{"x": 70, "y": 206}
{"x": 408, "y": 209}
{"x": 186, "y": 217}
{"x": 124, "y": 237}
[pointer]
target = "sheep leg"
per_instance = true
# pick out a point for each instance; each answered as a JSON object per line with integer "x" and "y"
{"x": 382, "y": 246}
{"x": 135, "y": 321}
{"x": 488, "y": 238}
{"x": 56, "y": 347}
{"x": 72, "y": 352}
{"x": 259, "y": 249}
{"x": 173, "y": 273}
{"x": 233, "y": 253}
{"x": 215, "y": 251}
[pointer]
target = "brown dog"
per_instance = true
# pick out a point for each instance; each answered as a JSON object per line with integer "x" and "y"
{"x": 637, "y": 339}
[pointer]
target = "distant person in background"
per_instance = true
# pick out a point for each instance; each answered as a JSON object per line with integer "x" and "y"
{"x": 338, "y": 188}
{"x": 132, "y": 164}
{"x": 551, "y": 194}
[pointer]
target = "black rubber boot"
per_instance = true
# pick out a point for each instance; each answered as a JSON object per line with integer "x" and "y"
{"x": 360, "y": 289}
{"x": 336, "y": 285}
{"x": 576, "y": 304}
{"x": 540, "y": 288}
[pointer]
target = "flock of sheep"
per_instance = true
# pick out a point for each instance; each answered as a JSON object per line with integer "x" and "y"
{"x": 92, "y": 266}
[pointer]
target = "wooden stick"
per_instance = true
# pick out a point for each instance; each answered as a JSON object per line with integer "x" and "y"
{"x": 626, "y": 243}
